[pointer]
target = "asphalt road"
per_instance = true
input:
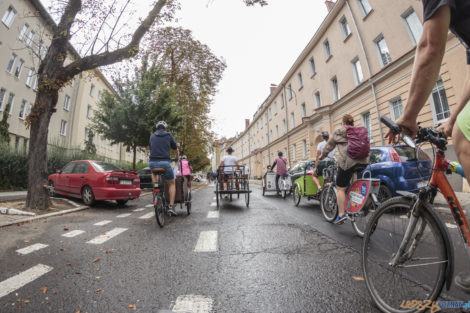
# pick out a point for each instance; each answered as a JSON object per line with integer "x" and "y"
{"x": 271, "y": 257}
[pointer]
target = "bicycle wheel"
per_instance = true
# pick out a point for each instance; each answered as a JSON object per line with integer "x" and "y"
{"x": 421, "y": 275}
{"x": 359, "y": 222}
{"x": 159, "y": 209}
{"x": 328, "y": 203}
{"x": 297, "y": 195}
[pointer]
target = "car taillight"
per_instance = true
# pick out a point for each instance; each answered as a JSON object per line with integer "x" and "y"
{"x": 394, "y": 155}
{"x": 137, "y": 180}
{"x": 112, "y": 180}
{"x": 375, "y": 183}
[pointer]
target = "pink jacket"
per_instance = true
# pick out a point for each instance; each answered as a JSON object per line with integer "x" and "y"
{"x": 186, "y": 169}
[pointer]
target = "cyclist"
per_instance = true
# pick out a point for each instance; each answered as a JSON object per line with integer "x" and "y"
{"x": 321, "y": 165}
{"x": 229, "y": 162}
{"x": 440, "y": 16}
{"x": 185, "y": 169}
{"x": 160, "y": 143}
{"x": 347, "y": 166}
{"x": 281, "y": 163}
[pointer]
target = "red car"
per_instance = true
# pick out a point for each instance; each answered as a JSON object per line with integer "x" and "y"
{"x": 95, "y": 180}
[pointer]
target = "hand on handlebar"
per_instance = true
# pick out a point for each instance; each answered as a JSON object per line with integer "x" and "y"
{"x": 447, "y": 127}
{"x": 407, "y": 126}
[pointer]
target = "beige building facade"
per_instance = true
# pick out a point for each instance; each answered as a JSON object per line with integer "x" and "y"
{"x": 24, "y": 39}
{"x": 358, "y": 62}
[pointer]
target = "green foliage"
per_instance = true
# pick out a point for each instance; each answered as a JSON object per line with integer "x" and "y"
{"x": 89, "y": 145}
{"x": 4, "y": 134}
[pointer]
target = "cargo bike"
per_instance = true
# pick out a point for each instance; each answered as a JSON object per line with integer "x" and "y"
{"x": 232, "y": 180}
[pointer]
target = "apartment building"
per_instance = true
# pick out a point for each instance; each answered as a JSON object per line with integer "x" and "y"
{"x": 359, "y": 62}
{"x": 24, "y": 38}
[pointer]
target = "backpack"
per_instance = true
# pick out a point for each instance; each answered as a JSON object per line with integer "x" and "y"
{"x": 358, "y": 142}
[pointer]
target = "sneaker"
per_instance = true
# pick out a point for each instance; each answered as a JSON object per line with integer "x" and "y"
{"x": 172, "y": 210}
{"x": 462, "y": 280}
{"x": 340, "y": 219}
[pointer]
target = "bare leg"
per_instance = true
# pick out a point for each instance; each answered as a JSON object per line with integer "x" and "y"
{"x": 317, "y": 181}
{"x": 341, "y": 197}
{"x": 462, "y": 148}
{"x": 172, "y": 190}
{"x": 154, "y": 178}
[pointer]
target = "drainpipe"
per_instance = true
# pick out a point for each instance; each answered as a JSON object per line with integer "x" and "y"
{"x": 372, "y": 86}
{"x": 287, "y": 124}
{"x": 73, "y": 111}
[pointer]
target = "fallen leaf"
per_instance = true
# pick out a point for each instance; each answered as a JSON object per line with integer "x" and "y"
{"x": 358, "y": 278}
{"x": 78, "y": 273}
{"x": 96, "y": 260}
{"x": 54, "y": 292}
{"x": 62, "y": 249}
{"x": 109, "y": 251}
{"x": 79, "y": 311}
{"x": 26, "y": 301}
{"x": 98, "y": 290}
{"x": 26, "y": 241}
{"x": 132, "y": 307}
{"x": 97, "y": 277}
{"x": 65, "y": 228}
{"x": 69, "y": 264}
{"x": 44, "y": 289}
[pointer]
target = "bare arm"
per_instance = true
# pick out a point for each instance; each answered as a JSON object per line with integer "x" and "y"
{"x": 330, "y": 145}
{"x": 317, "y": 158}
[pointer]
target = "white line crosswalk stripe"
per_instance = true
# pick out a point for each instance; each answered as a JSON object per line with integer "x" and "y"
{"x": 213, "y": 214}
{"x": 124, "y": 215}
{"x": 32, "y": 248}
{"x": 138, "y": 210}
{"x": 207, "y": 241}
{"x": 213, "y": 204}
{"x": 73, "y": 233}
{"x": 23, "y": 278}
{"x": 149, "y": 205}
{"x": 102, "y": 223}
{"x": 147, "y": 216}
{"x": 106, "y": 236}
{"x": 192, "y": 304}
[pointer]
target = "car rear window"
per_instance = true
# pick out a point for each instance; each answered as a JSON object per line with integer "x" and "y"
{"x": 103, "y": 167}
{"x": 409, "y": 154}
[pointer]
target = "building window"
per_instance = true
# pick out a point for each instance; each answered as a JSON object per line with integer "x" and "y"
{"x": 2, "y": 97}
{"x": 439, "y": 104}
{"x": 29, "y": 79}
{"x": 67, "y": 103}
{"x": 396, "y": 108}
{"x": 271, "y": 135}
{"x": 92, "y": 90}
{"x": 88, "y": 111}
{"x": 367, "y": 123}
{"x": 36, "y": 82}
{"x": 299, "y": 78}
{"x": 63, "y": 128}
{"x": 304, "y": 110}
{"x": 413, "y": 25}
{"x": 357, "y": 71}
{"x": 22, "y": 110}
{"x": 382, "y": 50}
{"x": 304, "y": 149}
{"x": 326, "y": 47}
{"x": 19, "y": 67}
{"x": 11, "y": 63}
{"x": 335, "y": 88}
{"x": 289, "y": 88}
{"x": 277, "y": 132}
{"x": 311, "y": 62}
{"x": 11, "y": 99}
{"x": 282, "y": 100}
{"x": 284, "y": 125}
{"x": 30, "y": 107}
{"x": 9, "y": 16}
{"x": 344, "y": 27}
{"x": 265, "y": 118}
{"x": 39, "y": 48}
{"x": 285, "y": 152}
{"x": 270, "y": 113}
{"x": 294, "y": 152}
{"x": 23, "y": 32}
{"x": 365, "y": 6}
{"x": 317, "y": 99}
{"x": 292, "y": 120}
{"x": 30, "y": 38}
{"x": 275, "y": 107}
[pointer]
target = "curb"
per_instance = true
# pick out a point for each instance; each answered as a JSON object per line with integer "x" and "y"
{"x": 12, "y": 198}
{"x": 31, "y": 219}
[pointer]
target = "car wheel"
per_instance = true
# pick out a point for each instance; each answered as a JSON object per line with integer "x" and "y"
{"x": 51, "y": 189}
{"x": 384, "y": 193}
{"x": 122, "y": 201}
{"x": 87, "y": 195}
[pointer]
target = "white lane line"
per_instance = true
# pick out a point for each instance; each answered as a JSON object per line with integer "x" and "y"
{"x": 102, "y": 223}
{"x": 207, "y": 241}
{"x": 106, "y": 236}
{"x": 149, "y": 205}
{"x": 32, "y": 248}
{"x": 124, "y": 215}
{"x": 449, "y": 225}
{"x": 213, "y": 214}
{"x": 214, "y": 198}
{"x": 404, "y": 216}
{"x": 23, "y": 278}
{"x": 192, "y": 304}
{"x": 73, "y": 233}
{"x": 138, "y": 210}
{"x": 213, "y": 204}
{"x": 147, "y": 216}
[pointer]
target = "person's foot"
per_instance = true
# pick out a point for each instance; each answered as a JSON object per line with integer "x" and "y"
{"x": 340, "y": 219}
{"x": 172, "y": 209}
{"x": 226, "y": 197}
{"x": 462, "y": 280}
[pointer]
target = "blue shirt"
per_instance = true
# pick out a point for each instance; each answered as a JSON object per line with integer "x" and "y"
{"x": 160, "y": 144}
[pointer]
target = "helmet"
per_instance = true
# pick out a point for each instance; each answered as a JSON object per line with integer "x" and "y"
{"x": 184, "y": 157}
{"x": 325, "y": 135}
{"x": 162, "y": 124}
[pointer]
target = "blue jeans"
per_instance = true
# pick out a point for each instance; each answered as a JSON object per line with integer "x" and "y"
{"x": 169, "y": 175}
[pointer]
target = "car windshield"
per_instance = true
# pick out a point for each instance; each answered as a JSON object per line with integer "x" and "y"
{"x": 103, "y": 167}
{"x": 409, "y": 154}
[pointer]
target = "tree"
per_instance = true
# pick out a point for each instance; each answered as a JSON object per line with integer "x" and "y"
{"x": 4, "y": 133}
{"x": 129, "y": 115}
{"x": 90, "y": 147}
{"x": 98, "y": 24}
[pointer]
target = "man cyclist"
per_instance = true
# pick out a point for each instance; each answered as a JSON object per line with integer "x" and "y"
{"x": 281, "y": 163}
{"x": 327, "y": 161}
{"x": 440, "y": 16}
{"x": 228, "y": 165}
{"x": 160, "y": 143}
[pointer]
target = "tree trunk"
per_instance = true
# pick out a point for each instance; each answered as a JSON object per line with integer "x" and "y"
{"x": 134, "y": 150}
{"x": 38, "y": 196}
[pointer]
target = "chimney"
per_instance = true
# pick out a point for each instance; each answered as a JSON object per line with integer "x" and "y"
{"x": 272, "y": 88}
{"x": 247, "y": 123}
{"x": 330, "y": 5}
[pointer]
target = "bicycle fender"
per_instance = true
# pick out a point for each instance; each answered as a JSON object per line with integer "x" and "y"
{"x": 448, "y": 244}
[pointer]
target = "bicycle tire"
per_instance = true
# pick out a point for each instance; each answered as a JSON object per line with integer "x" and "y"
{"x": 159, "y": 210}
{"x": 360, "y": 221}
{"x": 297, "y": 195}
{"x": 382, "y": 231}
{"x": 328, "y": 203}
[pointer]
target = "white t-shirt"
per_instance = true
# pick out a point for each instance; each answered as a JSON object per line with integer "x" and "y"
{"x": 320, "y": 148}
{"x": 229, "y": 160}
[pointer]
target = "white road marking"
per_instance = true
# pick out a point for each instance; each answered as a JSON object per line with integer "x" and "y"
{"x": 23, "y": 278}
{"x": 214, "y": 198}
{"x": 73, "y": 233}
{"x": 106, "y": 236}
{"x": 102, "y": 223}
{"x": 139, "y": 210}
{"x": 32, "y": 248}
{"x": 213, "y": 214}
{"x": 192, "y": 304}
{"x": 449, "y": 225}
{"x": 147, "y": 216}
{"x": 213, "y": 204}
{"x": 404, "y": 216}
{"x": 124, "y": 215}
{"x": 207, "y": 241}
{"x": 149, "y": 205}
